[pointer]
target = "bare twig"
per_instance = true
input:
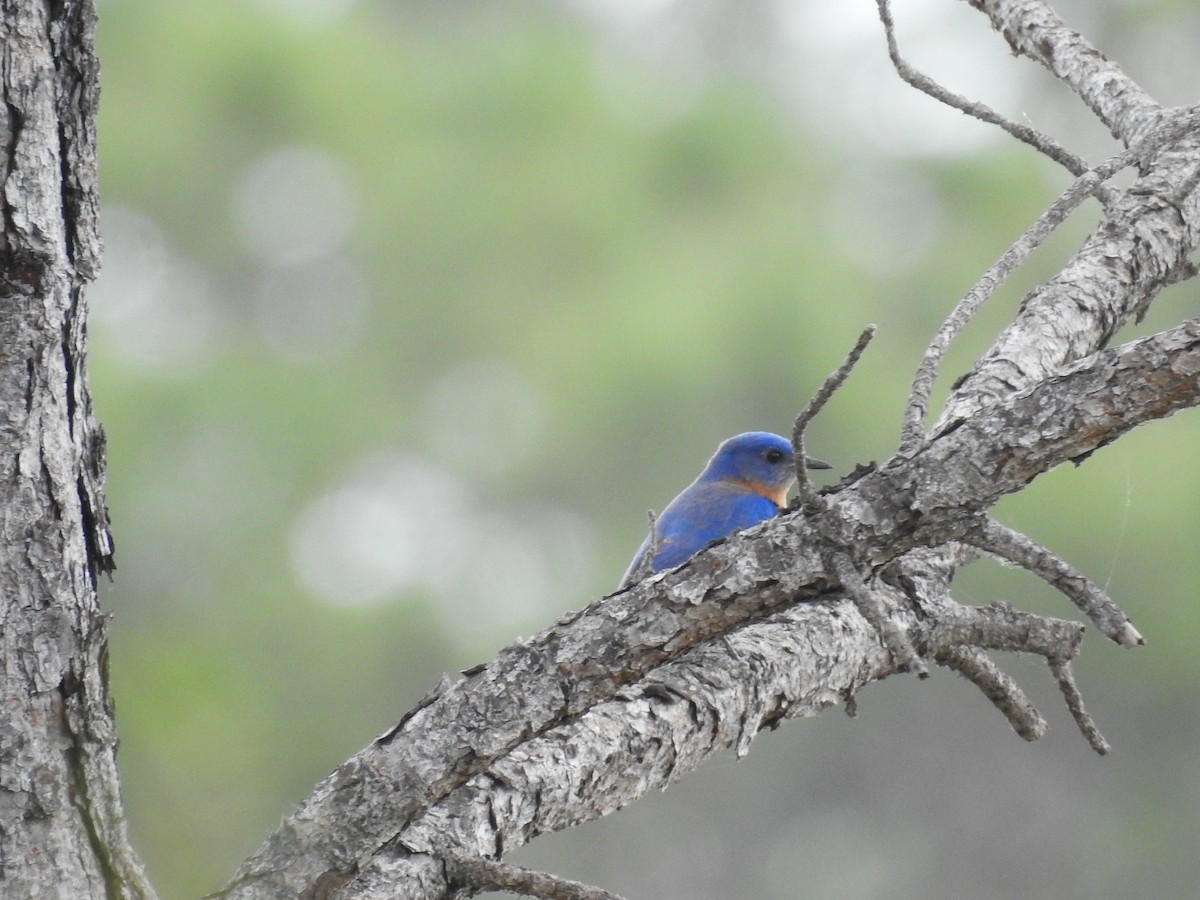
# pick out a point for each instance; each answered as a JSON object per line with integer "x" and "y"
{"x": 1043, "y": 143}
{"x": 957, "y": 636}
{"x": 867, "y": 601}
{"x": 831, "y": 383}
{"x": 1004, "y": 542}
{"x": 1088, "y": 183}
{"x": 475, "y": 874}
{"x": 1001, "y": 626}
{"x": 997, "y": 686}
{"x": 1189, "y": 184}
{"x": 1070, "y": 691}
{"x": 912, "y": 430}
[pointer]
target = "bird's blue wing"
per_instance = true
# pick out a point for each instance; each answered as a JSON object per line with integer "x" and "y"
{"x": 704, "y": 512}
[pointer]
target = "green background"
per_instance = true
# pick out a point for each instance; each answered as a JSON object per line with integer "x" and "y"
{"x": 410, "y": 311}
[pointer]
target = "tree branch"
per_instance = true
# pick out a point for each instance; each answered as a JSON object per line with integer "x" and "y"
{"x": 715, "y": 698}
{"x": 1066, "y": 683}
{"x": 475, "y": 874}
{"x": 804, "y": 491}
{"x": 1015, "y": 547}
{"x": 1033, "y": 29}
{"x": 1142, "y": 242}
{"x": 912, "y": 431}
{"x": 974, "y": 665}
{"x": 1043, "y": 143}
{"x": 1140, "y": 245}
{"x": 557, "y": 679}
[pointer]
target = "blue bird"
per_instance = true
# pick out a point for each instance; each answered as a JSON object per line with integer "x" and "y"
{"x": 745, "y": 482}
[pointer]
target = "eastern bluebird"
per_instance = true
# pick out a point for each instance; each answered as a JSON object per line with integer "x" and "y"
{"x": 745, "y": 482}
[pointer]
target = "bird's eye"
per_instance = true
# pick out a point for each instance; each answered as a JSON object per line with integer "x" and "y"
{"x": 773, "y": 456}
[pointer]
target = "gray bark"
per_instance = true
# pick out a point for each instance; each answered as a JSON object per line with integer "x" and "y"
{"x": 61, "y": 828}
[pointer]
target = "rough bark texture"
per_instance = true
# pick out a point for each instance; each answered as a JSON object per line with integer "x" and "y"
{"x": 61, "y": 828}
{"x": 1142, "y": 242}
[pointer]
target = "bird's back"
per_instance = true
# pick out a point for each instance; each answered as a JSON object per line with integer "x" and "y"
{"x": 705, "y": 511}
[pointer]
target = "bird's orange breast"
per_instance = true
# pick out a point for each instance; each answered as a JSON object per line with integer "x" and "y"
{"x": 778, "y": 496}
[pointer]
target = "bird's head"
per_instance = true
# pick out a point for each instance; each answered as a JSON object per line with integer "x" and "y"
{"x": 760, "y": 461}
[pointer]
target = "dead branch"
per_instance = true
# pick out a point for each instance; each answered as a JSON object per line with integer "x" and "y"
{"x": 1001, "y": 626}
{"x": 475, "y": 874}
{"x": 912, "y": 431}
{"x": 1004, "y": 542}
{"x": 1066, "y": 683}
{"x": 956, "y": 636}
{"x": 1039, "y": 141}
{"x": 1004, "y": 693}
{"x": 1035, "y": 30}
{"x": 868, "y": 603}
{"x": 831, "y": 383}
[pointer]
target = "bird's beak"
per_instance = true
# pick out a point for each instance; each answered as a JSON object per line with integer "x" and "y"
{"x": 811, "y": 463}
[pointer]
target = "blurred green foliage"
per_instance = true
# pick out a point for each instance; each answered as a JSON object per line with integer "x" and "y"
{"x": 523, "y": 283}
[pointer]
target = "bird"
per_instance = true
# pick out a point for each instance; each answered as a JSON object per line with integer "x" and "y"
{"x": 745, "y": 482}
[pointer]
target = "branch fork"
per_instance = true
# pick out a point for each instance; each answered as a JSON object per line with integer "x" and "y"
{"x": 954, "y": 635}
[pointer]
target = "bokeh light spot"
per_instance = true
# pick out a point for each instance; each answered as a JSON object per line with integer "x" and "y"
{"x": 149, "y": 305}
{"x": 314, "y": 309}
{"x": 294, "y": 205}
{"x": 400, "y": 524}
{"x": 483, "y": 418}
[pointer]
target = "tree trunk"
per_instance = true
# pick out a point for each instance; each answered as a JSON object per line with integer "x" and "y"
{"x": 61, "y": 828}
